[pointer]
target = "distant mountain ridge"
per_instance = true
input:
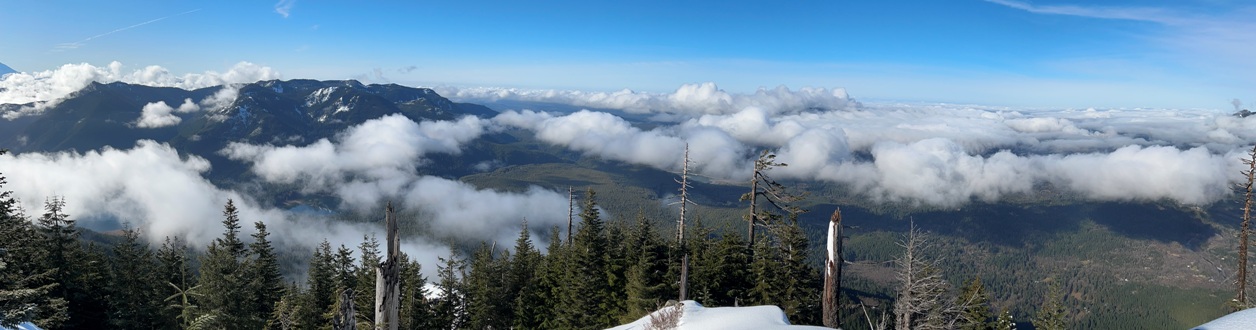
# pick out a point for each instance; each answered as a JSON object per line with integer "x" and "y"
{"x": 5, "y": 69}
{"x": 292, "y": 111}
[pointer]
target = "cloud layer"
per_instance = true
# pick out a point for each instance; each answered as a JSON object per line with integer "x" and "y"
{"x": 925, "y": 154}
{"x": 46, "y": 88}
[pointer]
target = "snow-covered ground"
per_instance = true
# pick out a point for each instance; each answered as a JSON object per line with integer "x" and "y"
{"x": 695, "y": 317}
{"x": 1240, "y": 320}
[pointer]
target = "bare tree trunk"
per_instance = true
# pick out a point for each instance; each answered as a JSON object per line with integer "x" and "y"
{"x": 346, "y": 315}
{"x": 388, "y": 279}
{"x": 754, "y": 211}
{"x": 684, "y": 277}
{"x": 1241, "y": 298}
{"x": 833, "y": 273}
{"x": 680, "y": 227}
{"x": 571, "y": 209}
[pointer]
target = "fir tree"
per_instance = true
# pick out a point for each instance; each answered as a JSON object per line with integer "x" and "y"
{"x": 551, "y": 285}
{"x": 800, "y": 298}
{"x": 646, "y": 286}
{"x": 263, "y": 275}
{"x": 978, "y": 315}
{"x": 174, "y": 277}
{"x": 133, "y": 290}
{"x": 286, "y": 311}
{"x": 587, "y": 300}
{"x": 80, "y": 273}
{"x": 320, "y": 292}
{"x": 370, "y": 258}
{"x": 487, "y": 304}
{"x": 528, "y": 307}
{"x": 223, "y": 278}
{"x": 1005, "y": 321}
{"x": 1051, "y": 315}
{"x": 88, "y": 302}
{"x": 720, "y": 275}
{"x": 26, "y": 286}
{"x": 449, "y": 309}
{"x": 416, "y": 309}
{"x": 345, "y": 275}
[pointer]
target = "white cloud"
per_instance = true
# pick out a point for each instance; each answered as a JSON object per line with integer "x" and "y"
{"x": 157, "y": 114}
{"x": 928, "y": 154}
{"x": 46, "y": 88}
{"x": 284, "y": 7}
{"x": 690, "y": 99}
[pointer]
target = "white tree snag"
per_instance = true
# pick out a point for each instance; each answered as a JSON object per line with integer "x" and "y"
{"x": 388, "y": 279}
{"x": 833, "y": 273}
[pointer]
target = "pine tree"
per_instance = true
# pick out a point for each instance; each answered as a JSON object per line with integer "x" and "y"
{"x": 551, "y": 285}
{"x": 646, "y": 285}
{"x": 345, "y": 274}
{"x": 978, "y": 315}
{"x": 321, "y": 289}
{"x": 25, "y": 285}
{"x": 450, "y": 308}
{"x": 920, "y": 303}
{"x": 1005, "y": 321}
{"x": 487, "y": 304}
{"x": 133, "y": 290}
{"x": 370, "y": 258}
{"x": 223, "y": 277}
{"x": 527, "y": 308}
{"x": 416, "y": 309}
{"x": 1051, "y": 315}
{"x": 800, "y": 297}
{"x": 81, "y": 273}
{"x": 174, "y": 278}
{"x": 285, "y": 314}
{"x": 586, "y": 302}
{"x": 721, "y": 275}
{"x": 263, "y": 275}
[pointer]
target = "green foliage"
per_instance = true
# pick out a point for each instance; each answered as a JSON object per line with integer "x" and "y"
{"x": 416, "y": 309}
{"x": 133, "y": 289}
{"x": 587, "y": 302}
{"x": 265, "y": 282}
{"x": 26, "y": 285}
{"x": 646, "y": 284}
{"x": 321, "y": 289}
{"x": 224, "y": 279}
{"x": 976, "y": 314}
{"x": 450, "y": 308}
{"x": 1051, "y": 315}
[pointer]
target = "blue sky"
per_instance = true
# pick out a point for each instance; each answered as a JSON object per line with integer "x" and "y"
{"x": 1106, "y": 53}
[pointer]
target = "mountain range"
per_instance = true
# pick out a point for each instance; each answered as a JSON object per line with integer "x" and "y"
{"x": 1157, "y": 250}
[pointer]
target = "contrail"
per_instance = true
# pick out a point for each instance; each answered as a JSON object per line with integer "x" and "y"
{"x": 74, "y": 45}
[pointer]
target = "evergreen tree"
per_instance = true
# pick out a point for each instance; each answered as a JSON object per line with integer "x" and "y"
{"x": 263, "y": 275}
{"x": 133, "y": 290}
{"x": 223, "y": 278}
{"x": 1051, "y": 315}
{"x": 88, "y": 302}
{"x": 720, "y": 276}
{"x": 80, "y": 273}
{"x": 646, "y": 286}
{"x": 26, "y": 286}
{"x": 800, "y": 298}
{"x": 286, "y": 311}
{"x": 977, "y": 315}
{"x": 174, "y": 277}
{"x": 321, "y": 289}
{"x": 345, "y": 274}
{"x": 528, "y": 310}
{"x": 416, "y": 309}
{"x": 1005, "y": 321}
{"x": 370, "y": 259}
{"x": 551, "y": 285}
{"x": 449, "y": 309}
{"x": 587, "y": 301}
{"x": 488, "y": 305}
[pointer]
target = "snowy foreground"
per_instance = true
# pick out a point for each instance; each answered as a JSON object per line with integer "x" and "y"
{"x": 695, "y": 317}
{"x": 1240, "y": 320}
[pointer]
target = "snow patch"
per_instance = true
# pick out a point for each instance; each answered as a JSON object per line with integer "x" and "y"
{"x": 1240, "y": 320}
{"x": 697, "y": 317}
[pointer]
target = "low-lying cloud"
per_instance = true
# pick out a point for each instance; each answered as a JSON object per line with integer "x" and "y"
{"x": 924, "y": 154}
{"x": 46, "y": 88}
{"x": 690, "y": 99}
{"x": 159, "y": 114}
